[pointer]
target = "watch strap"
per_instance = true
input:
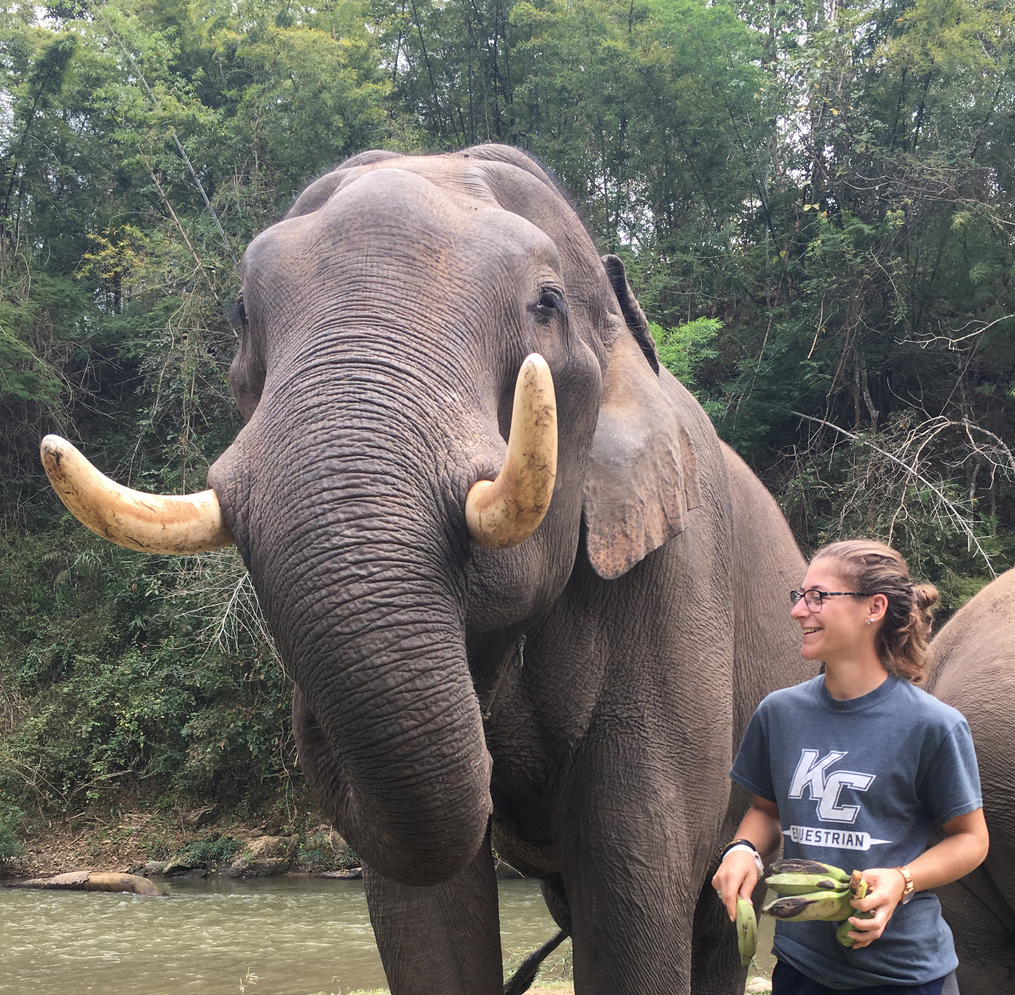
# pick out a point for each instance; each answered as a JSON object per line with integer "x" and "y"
{"x": 907, "y": 892}
{"x": 748, "y": 847}
{"x": 732, "y": 843}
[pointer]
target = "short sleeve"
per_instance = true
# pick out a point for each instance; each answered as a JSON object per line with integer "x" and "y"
{"x": 951, "y": 784}
{"x": 752, "y": 768}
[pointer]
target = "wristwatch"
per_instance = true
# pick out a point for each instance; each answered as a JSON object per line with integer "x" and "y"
{"x": 907, "y": 892}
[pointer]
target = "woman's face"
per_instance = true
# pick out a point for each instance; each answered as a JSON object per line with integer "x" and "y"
{"x": 839, "y": 629}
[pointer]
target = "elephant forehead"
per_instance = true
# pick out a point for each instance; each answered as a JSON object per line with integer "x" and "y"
{"x": 457, "y": 176}
{"x": 453, "y": 172}
{"x": 463, "y": 173}
{"x": 400, "y": 214}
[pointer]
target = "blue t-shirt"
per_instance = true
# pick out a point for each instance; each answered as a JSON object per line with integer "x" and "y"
{"x": 858, "y": 784}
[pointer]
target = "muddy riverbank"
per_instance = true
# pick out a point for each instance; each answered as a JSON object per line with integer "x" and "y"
{"x": 207, "y": 839}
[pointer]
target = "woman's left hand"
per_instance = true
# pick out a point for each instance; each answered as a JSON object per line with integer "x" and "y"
{"x": 885, "y": 886}
{"x": 962, "y": 849}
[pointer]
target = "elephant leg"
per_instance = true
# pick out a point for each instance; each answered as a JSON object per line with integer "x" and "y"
{"x": 634, "y": 858}
{"x": 439, "y": 938}
{"x": 982, "y": 924}
{"x": 715, "y": 959}
{"x": 631, "y": 929}
{"x": 715, "y": 955}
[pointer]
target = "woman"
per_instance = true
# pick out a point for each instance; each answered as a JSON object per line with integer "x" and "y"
{"x": 852, "y": 768}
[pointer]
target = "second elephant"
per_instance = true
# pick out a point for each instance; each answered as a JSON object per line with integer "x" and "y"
{"x": 974, "y": 670}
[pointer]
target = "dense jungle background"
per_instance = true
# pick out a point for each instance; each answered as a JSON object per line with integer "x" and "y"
{"x": 814, "y": 200}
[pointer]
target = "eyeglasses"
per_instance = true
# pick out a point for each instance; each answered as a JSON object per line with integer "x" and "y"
{"x": 814, "y": 599}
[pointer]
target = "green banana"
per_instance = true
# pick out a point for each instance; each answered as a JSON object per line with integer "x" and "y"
{"x": 796, "y": 865}
{"x": 825, "y": 905}
{"x": 847, "y": 927}
{"x": 803, "y": 884}
{"x": 747, "y": 931}
{"x": 857, "y": 889}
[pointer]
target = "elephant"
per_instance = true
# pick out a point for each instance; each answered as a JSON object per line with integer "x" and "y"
{"x": 528, "y": 598}
{"x": 974, "y": 670}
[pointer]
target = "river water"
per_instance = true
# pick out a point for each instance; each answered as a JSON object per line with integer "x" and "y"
{"x": 267, "y": 936}
{"x": 289, "y": 936}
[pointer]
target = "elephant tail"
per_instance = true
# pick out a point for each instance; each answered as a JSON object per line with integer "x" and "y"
{"x": 526, "y": 974}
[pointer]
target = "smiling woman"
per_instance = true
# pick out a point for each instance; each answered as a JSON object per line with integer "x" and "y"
{"x": 830, "y": 619}
{"x": 827, "y": 782}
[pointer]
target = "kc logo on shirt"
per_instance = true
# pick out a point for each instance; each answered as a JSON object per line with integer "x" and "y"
{"x": 825, "y": 787}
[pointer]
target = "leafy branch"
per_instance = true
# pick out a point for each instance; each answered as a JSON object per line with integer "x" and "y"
{"x": 953, "y": 511}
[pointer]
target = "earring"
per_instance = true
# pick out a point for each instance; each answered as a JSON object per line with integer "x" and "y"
{"x": 868, "y": 621}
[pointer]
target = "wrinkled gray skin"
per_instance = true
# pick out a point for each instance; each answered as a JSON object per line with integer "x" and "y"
{"x": 385, "y": 321}
{"x": 974, "y": 665}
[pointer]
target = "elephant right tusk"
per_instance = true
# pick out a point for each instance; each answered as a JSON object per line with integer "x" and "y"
{"x": 151, "y": 523}
{"x": 504, "y": 512}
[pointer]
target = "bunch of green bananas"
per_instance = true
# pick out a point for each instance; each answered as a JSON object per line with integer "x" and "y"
{"x": 809, "y": 890}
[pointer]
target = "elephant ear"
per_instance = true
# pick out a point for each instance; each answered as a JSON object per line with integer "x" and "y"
{"x": 642, "y": 479}
{"x": 631, "y": 309}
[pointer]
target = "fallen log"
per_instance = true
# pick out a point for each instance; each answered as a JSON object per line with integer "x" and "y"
{"x": 95, "y": 881}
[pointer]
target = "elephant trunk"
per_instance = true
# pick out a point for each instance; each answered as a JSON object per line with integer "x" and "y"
{"x": 398, "y": 758}
{"x": 351, "y": 559}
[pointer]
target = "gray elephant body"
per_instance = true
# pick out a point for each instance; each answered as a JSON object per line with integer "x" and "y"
{"x": 974, "y": 670}
{"x": 586, "y": 688}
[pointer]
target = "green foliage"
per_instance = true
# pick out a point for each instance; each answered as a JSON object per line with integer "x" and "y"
{"x": 317, "y": 850}
{"x": 158, "y": 849}
{"x": 10, "y": 844}
{"x": 815, "y": 212}
{"x": 451, "y": 66}
{"x": 202, "y": 853}
{"x": 685, "y": 349}
{"x": 126, "y": 684}
{"x": 886, "y": 486}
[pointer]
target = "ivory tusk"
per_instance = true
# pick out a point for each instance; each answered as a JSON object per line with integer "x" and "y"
{"x": 504, "y": 512}
{"x": 151, "y": 523}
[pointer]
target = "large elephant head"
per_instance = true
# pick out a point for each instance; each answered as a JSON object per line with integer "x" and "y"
{"x": 382, "y": 371}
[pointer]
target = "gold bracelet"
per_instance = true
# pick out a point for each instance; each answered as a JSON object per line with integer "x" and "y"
{"x": 907, "y": 892}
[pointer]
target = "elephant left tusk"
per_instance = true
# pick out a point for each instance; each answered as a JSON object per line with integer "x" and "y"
{"x": 504, "y": 512}
{"x": 151, "y": 523}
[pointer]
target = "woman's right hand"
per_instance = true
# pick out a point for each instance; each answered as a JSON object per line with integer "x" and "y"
{"x": 736, "y": 878}
{"x": 738, "y": 873}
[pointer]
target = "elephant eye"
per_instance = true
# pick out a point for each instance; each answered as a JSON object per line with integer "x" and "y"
{"x": 550, "y": 303}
